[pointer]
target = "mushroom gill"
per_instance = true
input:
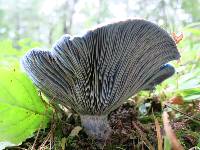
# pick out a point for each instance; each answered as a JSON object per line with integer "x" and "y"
{"x": 95, "y": 73}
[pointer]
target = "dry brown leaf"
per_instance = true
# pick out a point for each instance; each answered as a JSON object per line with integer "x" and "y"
{"x": 178, "y": 100}
{"x": 177, "y": 38}
{"x": 170, "y": 133}
{"x": 75, "y": 131}
{"x": 159, "y": 136}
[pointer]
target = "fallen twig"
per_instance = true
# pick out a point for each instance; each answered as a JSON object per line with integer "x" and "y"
{"x": 186, "y": 115}
{"x": 159, "y": 136}
{"x": 170, "y": 134}
{"x": 145, "y": 140}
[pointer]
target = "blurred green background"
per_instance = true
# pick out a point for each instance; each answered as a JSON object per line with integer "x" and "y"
{"x": 25, "y": 24}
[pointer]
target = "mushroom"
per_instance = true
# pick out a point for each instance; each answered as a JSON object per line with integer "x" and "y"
{"x": 95, "y": 73}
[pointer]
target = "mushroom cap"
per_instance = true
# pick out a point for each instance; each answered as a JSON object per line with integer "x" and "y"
{"x": 95, "y": 73}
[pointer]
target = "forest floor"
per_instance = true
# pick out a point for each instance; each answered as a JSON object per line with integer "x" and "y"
{"x": 131, "y": 129}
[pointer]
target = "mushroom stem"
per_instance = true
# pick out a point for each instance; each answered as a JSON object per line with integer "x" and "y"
{"x": 96, "y": 126}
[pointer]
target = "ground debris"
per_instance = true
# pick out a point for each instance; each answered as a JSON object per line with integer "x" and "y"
{"x": 131, "y": 131}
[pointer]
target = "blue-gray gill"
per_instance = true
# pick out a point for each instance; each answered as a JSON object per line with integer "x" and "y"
{"x": 95, "y": 73}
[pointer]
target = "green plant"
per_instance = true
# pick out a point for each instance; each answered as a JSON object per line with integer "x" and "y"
{"x": 22, "y": 110}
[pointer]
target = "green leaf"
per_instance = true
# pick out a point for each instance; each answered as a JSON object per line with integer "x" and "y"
{"x": 198, "y": 145}
{"x": 167, "y": 144}
{"x": 190, "y": 94}
{"x": 193, "y": 31}
{"x": 22, "y": 111}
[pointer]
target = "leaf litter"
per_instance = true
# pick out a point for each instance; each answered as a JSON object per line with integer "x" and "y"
{"x": 131, "y": 129}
